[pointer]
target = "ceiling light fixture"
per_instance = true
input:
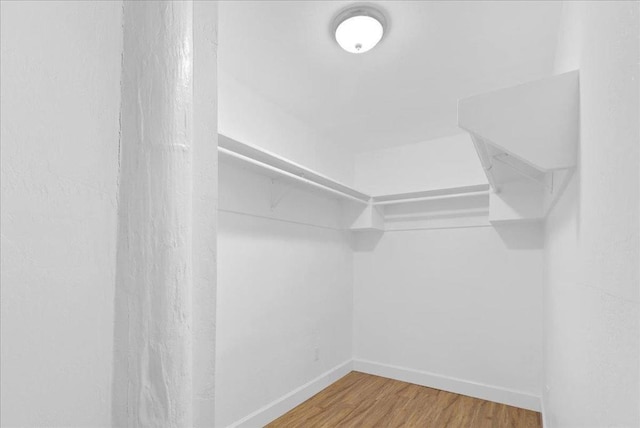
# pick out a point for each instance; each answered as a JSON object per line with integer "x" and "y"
{"x": 358, "y": 29}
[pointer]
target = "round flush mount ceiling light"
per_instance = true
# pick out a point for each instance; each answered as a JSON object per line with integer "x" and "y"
{"x": 358, "y": 29}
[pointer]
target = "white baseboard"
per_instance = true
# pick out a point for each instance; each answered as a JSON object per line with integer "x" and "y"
{"x": 445, "y": 383}
{"x": 279, "y": 407}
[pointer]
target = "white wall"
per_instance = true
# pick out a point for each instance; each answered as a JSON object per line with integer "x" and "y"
{"x": 285, "y": 279}
{"x": 60, "y": 98}
{"x": 462, "y": 303}
{"x": 244, "y": 115}
{"x": 442, "y": 297}
{"x": 592, "y": 302}
{"x": 285, "y": 289}
{"x": 434, "y": 164}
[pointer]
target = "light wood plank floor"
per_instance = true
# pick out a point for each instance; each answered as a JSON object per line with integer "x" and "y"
{"x": 362, "y": 400}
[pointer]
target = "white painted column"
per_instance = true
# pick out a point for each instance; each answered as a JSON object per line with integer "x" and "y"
{"x": 153, "y": 332}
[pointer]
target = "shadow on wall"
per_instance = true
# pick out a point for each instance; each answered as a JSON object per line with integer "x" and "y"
{"x": 522, "y": 236}
{"x": 364, "y": 241}
{"x": 516, "y": 236}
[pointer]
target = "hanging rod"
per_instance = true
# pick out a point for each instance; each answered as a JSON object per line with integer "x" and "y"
{"x": 300, "y": 178}
{"x": 432, "y": 198}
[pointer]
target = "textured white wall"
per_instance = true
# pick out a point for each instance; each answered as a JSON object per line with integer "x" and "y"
{"x": 60, "y": 96}
{"x": 285, "y": 289}
{"x": 434, "y": 164}
{"x": 592, "y": 302}
{"x": 460, "y": 303}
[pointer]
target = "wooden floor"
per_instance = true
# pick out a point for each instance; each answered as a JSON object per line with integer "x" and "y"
{"x": 362, "y": 400}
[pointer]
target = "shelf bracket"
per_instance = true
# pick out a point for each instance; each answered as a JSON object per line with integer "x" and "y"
{"x": 278, "y": 191}
{"x": 545, "y": 180}
{"x": 485, "y": 161}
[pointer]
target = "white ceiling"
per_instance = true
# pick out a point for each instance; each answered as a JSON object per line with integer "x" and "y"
{"x": 403, "y": 91}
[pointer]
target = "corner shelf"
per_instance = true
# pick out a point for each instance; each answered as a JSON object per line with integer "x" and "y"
{"x": 362, "y": 212}
{"x": 526, "y": 138}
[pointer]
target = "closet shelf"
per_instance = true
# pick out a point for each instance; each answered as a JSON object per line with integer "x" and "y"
{"x": 526, "y": 137}
{"x": 428, "y": 195}
{"x": 534, "y": 124}
{"x": 367, "y": 214}
{"x": 278, "y": 167}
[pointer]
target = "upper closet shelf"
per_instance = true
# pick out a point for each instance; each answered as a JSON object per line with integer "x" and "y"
{"x": 526, "y": 137}
{"x": 428, "y": 195}
{"x": 279, "y": 167}
{"x": 535, "y": 123}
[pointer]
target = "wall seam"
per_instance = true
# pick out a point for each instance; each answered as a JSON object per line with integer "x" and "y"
{"x": 118, "y": 174}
